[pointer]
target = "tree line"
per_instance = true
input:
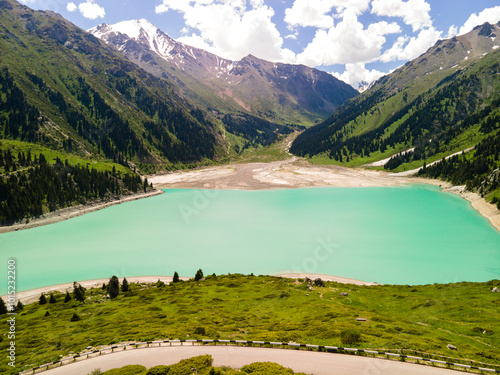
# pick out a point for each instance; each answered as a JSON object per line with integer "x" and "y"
{"x": 113, "y": 289}
{"x": 478, "y": 169}
{"x": 38, "y": 186}
{"x": 429, "y": 122}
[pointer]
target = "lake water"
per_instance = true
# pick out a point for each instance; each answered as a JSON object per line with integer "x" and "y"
{"x": 405, "y": 235}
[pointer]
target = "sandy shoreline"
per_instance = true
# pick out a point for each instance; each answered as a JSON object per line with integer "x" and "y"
{"x": 298, "y": 173}
{"x": 337, "y": 279}
{"x": 287, "y": 174}
{"x": 31, "y": 296}
{"x": 71, "y": 212}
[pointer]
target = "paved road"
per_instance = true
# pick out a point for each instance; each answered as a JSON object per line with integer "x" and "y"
{"x": 316, "y": 363}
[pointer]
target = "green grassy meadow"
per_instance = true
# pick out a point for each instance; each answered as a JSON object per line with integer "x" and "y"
{"x": 420, "y": 318}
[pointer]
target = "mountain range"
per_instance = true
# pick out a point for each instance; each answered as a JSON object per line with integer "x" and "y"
{"x": 127, "y": 96}
{"x": 280, "y": 93}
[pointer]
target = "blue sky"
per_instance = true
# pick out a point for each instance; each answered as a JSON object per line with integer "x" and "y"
{"x": 356, "y": 40}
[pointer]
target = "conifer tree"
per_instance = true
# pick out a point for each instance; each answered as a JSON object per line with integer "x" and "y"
{"x": 113, "y": 287}
{"x": 78, "y": 292}
{"x": 52, "y": 298}
{"x": 42, "y": 300}
{"x": 3, "y": 307}
{"x": 176, "y": 278}
{"x": 19, "y": 306}
{"x": 75, "y": 317}
{"x": 67, "y": 297}
{"x": 199, "y": 275}
{"x": 124, "y": 285}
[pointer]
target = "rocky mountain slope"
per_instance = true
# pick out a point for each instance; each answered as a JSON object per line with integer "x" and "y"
{"x": 279, "y": 93}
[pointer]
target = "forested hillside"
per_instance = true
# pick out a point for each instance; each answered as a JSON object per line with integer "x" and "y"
{"x": 78, "y": 120}
{"x": 421, "y": 113}
{"x": 31, "y": 186}
{"x": 62, "y": 87}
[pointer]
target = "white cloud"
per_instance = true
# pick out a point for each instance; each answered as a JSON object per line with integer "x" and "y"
{"x": 88, "y": 9}
{"x": 413, "y": 12}
{"x": 316, "y": 13}
{"x": 406, "y": 48}
{"x": 491, "y": 15}
{"x": 356, "y": 75}
{"x": 71, "y": 7}
{"x": 310, "y": 13}
{"x": 91, "y": 10}
{"x": 452, "y": 31}
{"x": 347, "y": 43}
{"x": 231, "y": 28}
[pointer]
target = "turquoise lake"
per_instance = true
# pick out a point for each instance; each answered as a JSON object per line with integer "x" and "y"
{"x": 403, "y": 235}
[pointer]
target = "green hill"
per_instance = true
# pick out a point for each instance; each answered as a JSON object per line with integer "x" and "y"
{"x": 90, "y": 115}
{"x": 443, "y": 102}
{"x": 424, "y": 318}
{"x": 63, "y": 88}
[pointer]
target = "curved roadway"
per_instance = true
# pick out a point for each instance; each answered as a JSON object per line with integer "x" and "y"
{"x": 317, "y": 363}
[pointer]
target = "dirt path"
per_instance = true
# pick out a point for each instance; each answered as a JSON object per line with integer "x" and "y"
{"x": 316, "y": 363}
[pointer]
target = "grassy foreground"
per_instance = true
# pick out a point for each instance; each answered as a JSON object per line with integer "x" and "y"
{"x": 424, "y": 318}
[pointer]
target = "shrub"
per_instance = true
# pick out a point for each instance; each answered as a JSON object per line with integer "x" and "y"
{"x": 202, "y": 364}
{"x": 160, "y": 284}
{"x": 75, "y": 317}
{"x": 269, "y": 368}
{"x": 350, "y": 336}
{"x": 127, "y": 370}
{"x": 199, "y": 331}
{"x": 319, "y": 282}
{"x": 159, "y": 370}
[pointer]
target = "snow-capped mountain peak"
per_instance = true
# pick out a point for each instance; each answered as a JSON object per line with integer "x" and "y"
{"x": 251, "y": 84}
{"x": 141, "y": 31}
{"x": 135, "y": 28}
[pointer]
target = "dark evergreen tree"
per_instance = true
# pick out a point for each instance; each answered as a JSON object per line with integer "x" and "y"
{"x": 75, "y": 317}
{"x": 19, "y": 306}
{"x": 124, "y": 285}
{"x": 52, "y": 298}
{"x": 176, "y": 278}
{"x": 199, "y": 275}
{"x": 42, "y": 300}
{"x": 67, "y": 297}
{"x": 113, "y": 287}
{"x": 3, "y": 307}
{"x": 78, "y": 292}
